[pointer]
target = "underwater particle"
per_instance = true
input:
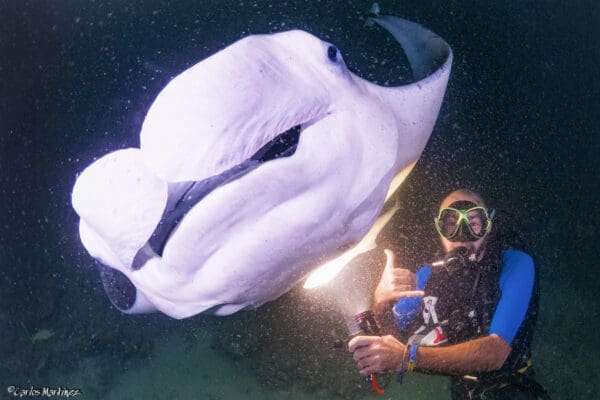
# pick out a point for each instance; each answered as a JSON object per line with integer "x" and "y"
{"x": 42, "y": 334}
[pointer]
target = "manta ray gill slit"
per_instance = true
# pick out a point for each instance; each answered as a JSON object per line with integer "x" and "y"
{"x": 282, "y": 145}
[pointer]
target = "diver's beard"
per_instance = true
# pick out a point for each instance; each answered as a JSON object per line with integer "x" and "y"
{"x": 475, "y": 248}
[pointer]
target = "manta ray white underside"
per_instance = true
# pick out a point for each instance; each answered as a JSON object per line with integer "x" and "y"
{"x": 255, "y": 166}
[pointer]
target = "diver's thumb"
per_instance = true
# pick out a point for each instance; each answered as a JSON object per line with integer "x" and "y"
{"x": 390, "y": 262}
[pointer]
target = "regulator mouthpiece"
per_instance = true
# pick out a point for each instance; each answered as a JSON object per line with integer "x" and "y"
{"x": 457, "y": 258}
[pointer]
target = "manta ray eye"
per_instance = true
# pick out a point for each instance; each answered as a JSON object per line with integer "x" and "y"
{"x": 332, "y": 52}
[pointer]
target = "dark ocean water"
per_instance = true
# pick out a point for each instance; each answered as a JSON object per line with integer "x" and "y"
{"x": 520, "y": 123}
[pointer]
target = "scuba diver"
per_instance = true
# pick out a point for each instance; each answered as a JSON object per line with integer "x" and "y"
{"x": 470, "y": 316}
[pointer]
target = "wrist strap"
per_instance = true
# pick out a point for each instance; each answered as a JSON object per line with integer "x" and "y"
{"x": 401, "y": 371}
{"x": 413, "y": 358}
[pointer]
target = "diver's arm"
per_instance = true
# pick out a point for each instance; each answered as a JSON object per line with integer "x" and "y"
{"x": 384, "y": 353}
{"x": 478, "y": 355}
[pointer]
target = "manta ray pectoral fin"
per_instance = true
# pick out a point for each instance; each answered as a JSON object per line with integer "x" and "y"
{"x": 416, "y": 106}
{"x": 426, "y": 51}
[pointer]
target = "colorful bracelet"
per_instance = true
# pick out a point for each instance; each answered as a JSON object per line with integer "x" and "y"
{"x": 413, "y": 358}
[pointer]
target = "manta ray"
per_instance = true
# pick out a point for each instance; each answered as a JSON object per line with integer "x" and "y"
{"x": 255, "y": 166}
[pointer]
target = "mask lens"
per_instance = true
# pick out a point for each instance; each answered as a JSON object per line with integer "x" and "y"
{"x": 477, "y": 219}
{"x": 448, "y": 222}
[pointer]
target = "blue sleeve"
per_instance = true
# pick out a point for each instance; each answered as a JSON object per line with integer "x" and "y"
{"x": 406, "y": 309}
{"x": 516, "y": 287}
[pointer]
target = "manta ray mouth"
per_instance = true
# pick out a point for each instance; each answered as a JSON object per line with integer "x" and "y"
{"x": 189, "y": 194}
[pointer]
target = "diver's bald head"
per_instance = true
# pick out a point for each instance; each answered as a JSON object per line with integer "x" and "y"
{"x": 463, "y": 194}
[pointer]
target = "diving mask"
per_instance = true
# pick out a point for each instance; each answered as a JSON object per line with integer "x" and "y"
{"x": 463, "y": 221}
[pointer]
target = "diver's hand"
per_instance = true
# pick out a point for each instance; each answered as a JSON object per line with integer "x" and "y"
{"x": 377, "y": 353}
{"x": 395, "y": 283}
